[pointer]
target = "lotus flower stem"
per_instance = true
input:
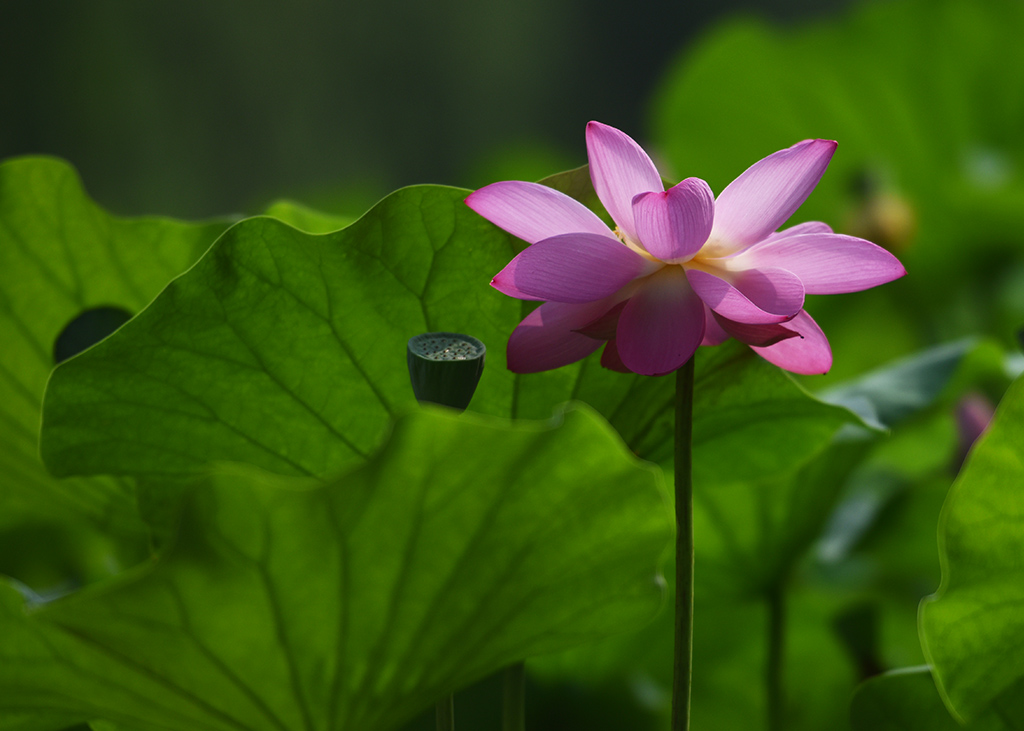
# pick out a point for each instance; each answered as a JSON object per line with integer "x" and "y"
{"x": 446, "y": 714}
{"x": 514, "y": 706}
{"x": 684, "y": 549}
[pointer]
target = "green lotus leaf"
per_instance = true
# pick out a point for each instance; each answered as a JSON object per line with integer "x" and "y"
{"x": 972, "y": 629}
{"x": 907, "y": 700}
{"x": 464, "y": 544}
{"x": 62, "y": 256}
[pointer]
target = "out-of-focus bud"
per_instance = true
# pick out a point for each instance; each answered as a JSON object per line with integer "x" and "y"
{"x": 881, "y": 215}
{"x": 973, "y": 415}
{"x": 445, "y": 367}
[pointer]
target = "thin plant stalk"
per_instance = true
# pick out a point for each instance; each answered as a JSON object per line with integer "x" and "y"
{"x": 683, "y": 663}
{"x": 513, "y": 716}
{"x": 773, "y": 665}
{"x": 446, "y": 714}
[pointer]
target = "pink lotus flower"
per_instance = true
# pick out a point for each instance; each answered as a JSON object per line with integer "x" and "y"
{"x": 681, "y": 269}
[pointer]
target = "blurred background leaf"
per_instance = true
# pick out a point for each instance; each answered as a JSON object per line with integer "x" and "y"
{"x": 907, "y": 700}
{"x": 62, "y": 259}
{"x": 926, "y": 100}
{"x": 973, "y": 626}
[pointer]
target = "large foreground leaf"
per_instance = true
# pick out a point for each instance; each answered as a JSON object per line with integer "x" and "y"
{"x": 973, "y": 628}
{"x": 281, "y": 349}
{"x": 465, "y": 544}
{"x": 61, "y": 255}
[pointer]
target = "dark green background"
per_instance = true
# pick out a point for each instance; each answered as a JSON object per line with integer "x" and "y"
{"x": 201, "y": 107}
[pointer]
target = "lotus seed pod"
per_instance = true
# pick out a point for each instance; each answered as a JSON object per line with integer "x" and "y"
{"x": 445, "y": 367}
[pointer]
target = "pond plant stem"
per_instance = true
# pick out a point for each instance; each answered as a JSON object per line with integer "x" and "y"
{"x": 513, "y": 717}
{"x": 773, "y": 666}
{"x": 683, "y": 663}
{"x": 446, "y": 713}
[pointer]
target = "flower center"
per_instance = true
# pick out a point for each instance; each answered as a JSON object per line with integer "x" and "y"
{"x": 633, "y": 245}
{"x": 715, "y": 248}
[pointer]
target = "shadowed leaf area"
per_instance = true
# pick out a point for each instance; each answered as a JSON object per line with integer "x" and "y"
{"x": 62, "y": 258}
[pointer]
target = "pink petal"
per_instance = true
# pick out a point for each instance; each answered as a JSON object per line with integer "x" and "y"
{"x": 620, "y": 170}
{"x": 533, "y": 212}
{"x": 545, "y": 339}
{"x": 674, "y": 224}
{"x": 572, "y": 268}
{"x": 661, "y": 325}
{"x": 809, "y": 227}
{"x": 752, "y": 296}
{"x": 760, "y": 335}
{"x": 603, "y": 327}
{"x": 769, "y": 191}
{"x": 827, "y": 263}
{"x": 611, "y": 359}
{"x": 713, "y": 332}
{"x": 808, "y": 354}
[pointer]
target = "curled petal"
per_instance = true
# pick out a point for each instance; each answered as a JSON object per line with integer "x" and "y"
{"x": 752, "y": 296}
{"x": 572, "y": 268}
{"x": 603, "y": 327}
{"x": 808, "y": 354}
{"x": 620, "y": 170}
{"x": 661, "y": 325}
{"x": 611, "y": 359}
{"x": 713, "y": 332}
{"x": 533, "y": 212}
{"x": 827, "y": 263}
{"x": 546, "y": 338}
{"x": 674, "y": 224}
{"x": 759, "y": 335}
{"x": 769, "y": 191}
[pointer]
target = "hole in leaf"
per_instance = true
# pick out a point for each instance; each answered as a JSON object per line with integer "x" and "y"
{"x": 87, "y": 329}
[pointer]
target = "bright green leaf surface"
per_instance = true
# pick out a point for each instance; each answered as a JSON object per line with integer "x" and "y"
{"x": 305, "y": 218}
{"x": 465, "y": 544}
{"x": 60, "y": 254}
{"x": 282, "y": 349}
{"x": 973, "y": 628}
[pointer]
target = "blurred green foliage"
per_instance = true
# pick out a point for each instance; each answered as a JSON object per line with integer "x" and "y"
{"x": 926, "y": 99}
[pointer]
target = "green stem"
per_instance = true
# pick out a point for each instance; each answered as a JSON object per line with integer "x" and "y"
{"x": 446, "y": 713}
{"x": 683, "y": 663}
{"x": 773, "y": 666}
{"x": 514, "y": 707}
